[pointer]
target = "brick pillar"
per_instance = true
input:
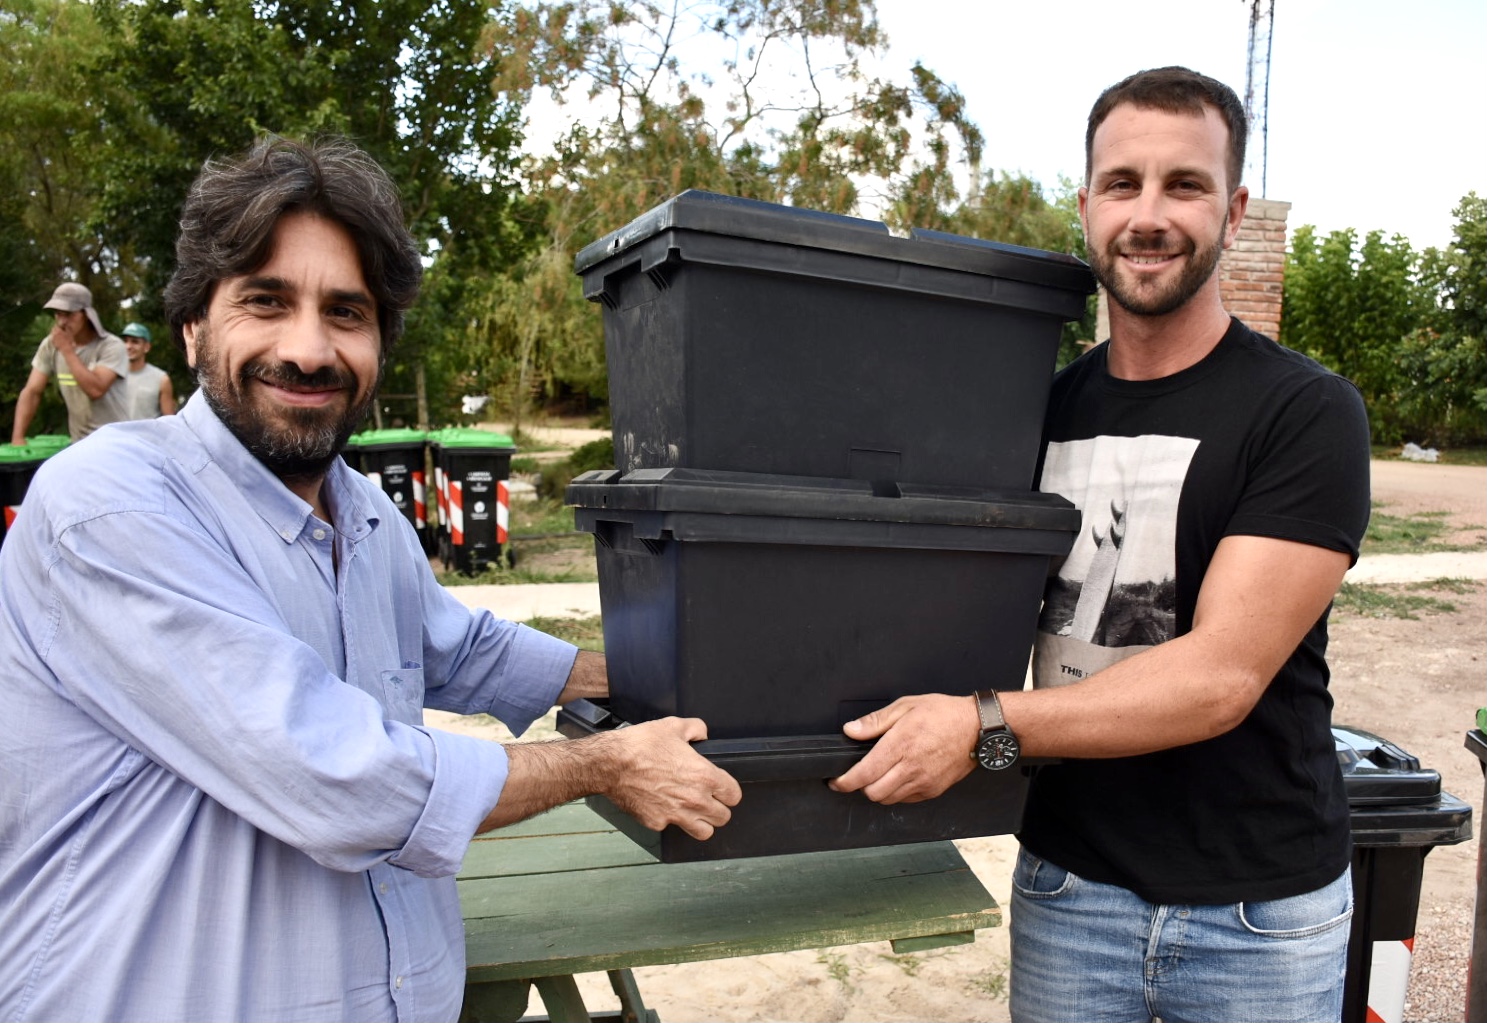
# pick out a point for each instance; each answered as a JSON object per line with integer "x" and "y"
{"x": 1251, "y": 272}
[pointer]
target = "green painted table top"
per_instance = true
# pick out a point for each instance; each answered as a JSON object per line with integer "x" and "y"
{"x": 565, "y": 893}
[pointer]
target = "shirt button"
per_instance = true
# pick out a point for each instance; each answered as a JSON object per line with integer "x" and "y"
{"x": 382, "y": 887}
{"x": 319, "y": 534}
{"x": 398, "y": 983}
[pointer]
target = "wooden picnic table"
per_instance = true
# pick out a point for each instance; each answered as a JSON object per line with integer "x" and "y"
{"x": 564, "y": 893}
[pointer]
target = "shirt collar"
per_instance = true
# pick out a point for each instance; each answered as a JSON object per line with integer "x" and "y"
{"x": 284, "y": 511}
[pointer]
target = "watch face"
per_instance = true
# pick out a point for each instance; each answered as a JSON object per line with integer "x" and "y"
{"x": 997, "y": 751}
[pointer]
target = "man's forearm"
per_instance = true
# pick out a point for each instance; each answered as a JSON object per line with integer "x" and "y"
{"x": 587, "y": 680}
{"x": 542, "y": 775}
{"x": 25, "y": 411}
{"x": 95, "y": 384}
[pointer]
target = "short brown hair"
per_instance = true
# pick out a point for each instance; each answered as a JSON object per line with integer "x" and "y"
{"x": 228, "y": 221}
{"x": 1175, "y": 90}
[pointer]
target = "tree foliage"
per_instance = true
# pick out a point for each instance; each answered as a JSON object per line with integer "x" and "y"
{"x": 1406, "y": 327}
{"x": 791, "y": 115}
{"x": 406, "y": 79}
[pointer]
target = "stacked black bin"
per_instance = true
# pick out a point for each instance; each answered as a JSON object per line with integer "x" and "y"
{"x": 1398, "y": 813}
{"x": 825, "y": 439}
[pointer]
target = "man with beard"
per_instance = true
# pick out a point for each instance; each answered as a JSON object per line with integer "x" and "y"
{"x": 220, "y": 801}
{"x": 1187, "y": 858}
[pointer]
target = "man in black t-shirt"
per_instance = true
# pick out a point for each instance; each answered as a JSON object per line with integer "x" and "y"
{"x": 1188, "y": 858}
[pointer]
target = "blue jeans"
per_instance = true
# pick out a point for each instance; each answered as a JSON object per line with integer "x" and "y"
{"x": 1084, "y": 952}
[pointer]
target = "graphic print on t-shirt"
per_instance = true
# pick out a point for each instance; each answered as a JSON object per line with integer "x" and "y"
{"x": 1116, "y": 592}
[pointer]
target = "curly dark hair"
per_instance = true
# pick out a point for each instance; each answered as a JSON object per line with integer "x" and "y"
{"x": 1175, "y": 90}
{"x": 228, "y": 221}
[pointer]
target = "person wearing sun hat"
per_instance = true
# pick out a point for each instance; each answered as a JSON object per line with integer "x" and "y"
{"x": 151, "y": 393}
{"x": 90, "y": 364}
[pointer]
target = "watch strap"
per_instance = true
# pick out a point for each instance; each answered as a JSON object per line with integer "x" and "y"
{"x": 989, "y": 707}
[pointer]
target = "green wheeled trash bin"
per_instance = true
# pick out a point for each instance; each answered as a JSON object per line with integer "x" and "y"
{"x": 472, "y": 467}
{"x": 18, "y": 463}
{"x": 394, "y": 460}
{"x": 1399, "y": 814}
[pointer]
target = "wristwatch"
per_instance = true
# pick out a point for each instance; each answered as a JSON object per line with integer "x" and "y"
{"x": 997, "y": 749}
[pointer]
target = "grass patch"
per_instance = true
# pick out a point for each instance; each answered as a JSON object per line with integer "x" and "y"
{"x": 540, "y": 518}
{"x": 584, "y": 633}
{"x": 1417, "y": 533}
{"x": 1408, "y": 601}
{"x": 545, "y": 546}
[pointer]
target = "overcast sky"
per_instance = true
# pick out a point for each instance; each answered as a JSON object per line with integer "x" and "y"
{"x": 1376, "y": 109}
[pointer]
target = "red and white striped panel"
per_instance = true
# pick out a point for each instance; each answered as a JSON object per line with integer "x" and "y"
{"x": 420, "y": 502}
{"x": 1388, "y": 980}
{"x": 503, "y": 511}
{"x": 457, "y": 513}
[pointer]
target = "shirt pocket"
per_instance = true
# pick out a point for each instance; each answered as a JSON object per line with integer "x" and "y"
{"x": 402, "y": 695}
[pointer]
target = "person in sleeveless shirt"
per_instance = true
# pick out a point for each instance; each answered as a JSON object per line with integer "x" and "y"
{"x": 151, "y": 393}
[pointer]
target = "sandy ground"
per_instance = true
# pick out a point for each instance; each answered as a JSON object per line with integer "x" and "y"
{"x": 1416, "y": 682}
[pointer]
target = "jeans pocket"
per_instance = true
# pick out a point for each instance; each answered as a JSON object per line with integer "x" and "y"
{"x": 402, "y": 695}
{"x": 1036, "y": 878}
{"x": 1301, "y": 916}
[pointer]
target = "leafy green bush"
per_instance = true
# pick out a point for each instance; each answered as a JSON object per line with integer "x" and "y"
{"x": 556, "y": 476}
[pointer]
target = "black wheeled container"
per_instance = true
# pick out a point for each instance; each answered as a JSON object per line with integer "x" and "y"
{"x": 750, "y": 337}
{"x": 778, "y": 608}
{"x": 1398, "y": 814}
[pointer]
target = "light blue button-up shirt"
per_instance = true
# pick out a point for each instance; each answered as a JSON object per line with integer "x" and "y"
{"x": 217, "y": 798}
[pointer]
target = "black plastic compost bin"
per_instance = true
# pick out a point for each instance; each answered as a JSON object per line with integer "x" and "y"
{"x": 778, "y": 608}
{"x": 1399, "y": 814}
{"x": 18, "y": 463}
{"x": 474, "y": 504}
{"x": 752, "y": 337}
{"x": 395, "y": 459}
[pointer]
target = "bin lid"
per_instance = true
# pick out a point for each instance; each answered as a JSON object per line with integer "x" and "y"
{"x": 1392, "y": 799}
{"x": 719, "y": 506}
{"x": 471, "y": 437}
{"x": 708, "y": 213}
{"x": 50, "y": 443}
{"x": 21, "y": 455}
{"x": 1476, "y": 741}
{"x": 395, "y": 437}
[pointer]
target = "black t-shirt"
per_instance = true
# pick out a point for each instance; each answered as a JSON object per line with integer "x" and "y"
{"x": 1253, "y": 440}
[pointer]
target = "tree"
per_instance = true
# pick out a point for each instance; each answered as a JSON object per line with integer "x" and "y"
{"x": 406, "y": 79}
{"x": 1349, "y": 306}
{"x": 1406, "y": 327}
{"x": 51, "y": 129}
{"x": 1445, "y": 360}
{"x": 824, "y": 135}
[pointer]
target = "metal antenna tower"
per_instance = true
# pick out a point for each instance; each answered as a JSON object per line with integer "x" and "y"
{"x": 1261, "y": 25}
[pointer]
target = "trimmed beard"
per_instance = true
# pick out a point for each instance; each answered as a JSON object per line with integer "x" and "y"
{"x": 303, "y": 443}
{"x": 1200, "y": 267}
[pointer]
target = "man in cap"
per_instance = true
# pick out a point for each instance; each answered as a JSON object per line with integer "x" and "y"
{"x": 150, "y": 390}
{"x": 217, "y": 640}
{"x": 90, "y": 365}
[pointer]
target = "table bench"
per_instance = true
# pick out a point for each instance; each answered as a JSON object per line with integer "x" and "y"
{"x": 564, "y": 893}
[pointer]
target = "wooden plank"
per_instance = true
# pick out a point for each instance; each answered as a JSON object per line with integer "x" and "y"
{"x": 623, "y": 917}
{"x": 567, "y": 819}
{"x": 551, "y": 854}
